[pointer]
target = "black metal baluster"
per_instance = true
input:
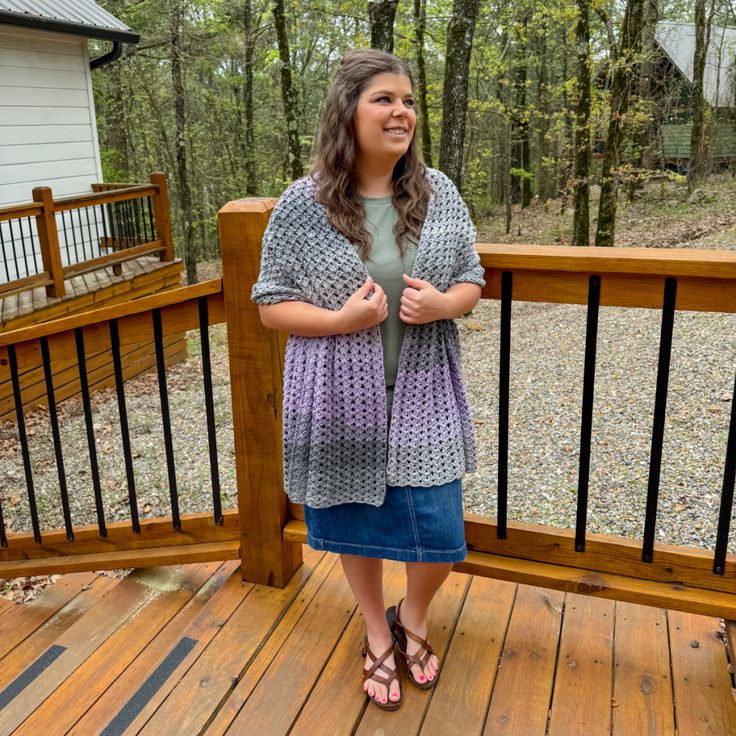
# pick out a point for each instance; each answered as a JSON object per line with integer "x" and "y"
{"x": 144, "y": 219}
{"x": 57, "y": 437}
{"x": 111, "y": 214}
{"x": 89, "y": 232}
{"x": 2, "y": 250}
{"x": 124, "y": 430}
{"x": 137, "y": 219}
{"x": 33, "y": 245}
{"x": 84, "y": 385}
{"x": 729, "y": 477}
{"x": 204, "y": 334}
{"x": 586, "y": 423}
{"x": 126, "y": 222}
{"x": 503, "y": 404}
{"x": 151, "y": 223}
{"x": 165, "y": 416}
{"x": 23, "y": 246}
{"x": 660, "y": 409}
{"x": 80, "y": 228}
{"x": 66, "y": 236}
{"x": 3, "y": 536}
{"x": 74, "y": 236}
{"x": 96, "y": 250}
{"x": 20, "y": 417}
{"x": 12, "y": 245}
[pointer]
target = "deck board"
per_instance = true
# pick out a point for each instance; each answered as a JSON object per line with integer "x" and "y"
{"x": 527, "y": 664}
{"x": 584, "y": 665}
{"x": 192, "y": 649}
{"x": 642, "y": 689}
{"x": 81, "y": 291}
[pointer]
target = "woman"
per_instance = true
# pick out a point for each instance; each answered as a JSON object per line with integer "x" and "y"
{"x": 366, "y": 263}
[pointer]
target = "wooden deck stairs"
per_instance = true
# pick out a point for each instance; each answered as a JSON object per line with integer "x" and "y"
{"x": 193, "y": 649}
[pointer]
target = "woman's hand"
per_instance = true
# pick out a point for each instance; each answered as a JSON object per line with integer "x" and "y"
{"x": 422, "y": 303}
{"x": 363, "y": 309}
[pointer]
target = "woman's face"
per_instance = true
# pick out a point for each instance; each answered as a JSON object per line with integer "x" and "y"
{"x": 385, "y": 119}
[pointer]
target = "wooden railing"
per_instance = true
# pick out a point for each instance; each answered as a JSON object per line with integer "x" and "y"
{"x": 74, "y": 342}
{"x": 267, "y": 531}
{"x": 48, "y": 240}
{"x": 640, "y": 571}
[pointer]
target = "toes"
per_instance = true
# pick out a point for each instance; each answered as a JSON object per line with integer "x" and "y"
{"x": 381, "y": 695}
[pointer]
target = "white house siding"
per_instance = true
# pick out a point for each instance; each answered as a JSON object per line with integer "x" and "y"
{"x": 48, "y": 134}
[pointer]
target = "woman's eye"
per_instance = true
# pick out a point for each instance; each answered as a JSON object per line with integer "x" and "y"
{"x": 409, "y": 103}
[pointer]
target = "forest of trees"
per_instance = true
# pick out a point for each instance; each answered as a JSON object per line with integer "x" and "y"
{"x": 224, "y": 96}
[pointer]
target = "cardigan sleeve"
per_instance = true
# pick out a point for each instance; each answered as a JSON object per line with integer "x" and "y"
{"x": 467, "y": 267}
{"x": 278, "y": 280}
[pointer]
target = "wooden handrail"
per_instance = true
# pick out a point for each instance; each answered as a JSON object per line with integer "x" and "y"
{"x": 718, "y": 264}
{"x": 115, "y": 195}
{"x": 115, "y": 311}
{"x": 15, "y": 211}
{"x": 45, "y": 207}
{"x": 630, "y": 277}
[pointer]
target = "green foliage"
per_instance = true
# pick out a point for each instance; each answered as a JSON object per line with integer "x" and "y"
{"x": 521, "y": 85}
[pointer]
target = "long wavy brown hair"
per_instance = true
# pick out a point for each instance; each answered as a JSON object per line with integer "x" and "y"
{"x": 334, "y": 162}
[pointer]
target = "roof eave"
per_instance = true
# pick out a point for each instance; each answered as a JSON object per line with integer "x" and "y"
{"x": 60, "y": 26}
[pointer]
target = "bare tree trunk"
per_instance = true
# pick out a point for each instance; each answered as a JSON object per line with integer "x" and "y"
{"x": 381, "y": 14}
{"x": 287, "y": 91}
{"x": 543, "y": 105}
{"x": 581, "y": 165}
{"x": 251, "y": 182}
{"x": 520, "y": 149}
{"x": 623, "y": 76}
{"x": 455, "y": 94}
{"x": 176, "y": 21}
{"x": 697, "y": 138}
{"x": 568, "y": 142}
{"x": 420, "y": 21}
{"x": 646, "y": 81}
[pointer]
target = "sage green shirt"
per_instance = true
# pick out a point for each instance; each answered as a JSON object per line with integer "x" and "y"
{"x": 386, "y": 265}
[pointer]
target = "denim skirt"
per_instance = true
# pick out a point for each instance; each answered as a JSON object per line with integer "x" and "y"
{"x": 413, "y": 525}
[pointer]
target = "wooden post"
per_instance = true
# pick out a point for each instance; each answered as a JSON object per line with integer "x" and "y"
{"x": 256, "y": 363}
{"x": 162, "y": 215}
{"x": 48, "y": 237}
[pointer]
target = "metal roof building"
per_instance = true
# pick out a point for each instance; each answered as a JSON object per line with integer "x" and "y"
{"x": 677, "y": 41}
{"x": 78, "y": 17}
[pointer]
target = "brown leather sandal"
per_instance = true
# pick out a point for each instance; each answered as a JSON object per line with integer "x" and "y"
{"x": 383, "y": 679}
{"x": 392, "y": 615}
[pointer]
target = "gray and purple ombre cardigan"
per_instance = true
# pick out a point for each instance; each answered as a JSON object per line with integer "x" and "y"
{"x": 337, "y": 446}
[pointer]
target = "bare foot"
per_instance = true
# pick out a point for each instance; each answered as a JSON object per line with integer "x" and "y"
{"x": 374, "y": 686}
{"x": 418, "y": 627}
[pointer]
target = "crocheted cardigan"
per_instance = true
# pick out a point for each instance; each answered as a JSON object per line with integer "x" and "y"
{"x": 336, "y": 442}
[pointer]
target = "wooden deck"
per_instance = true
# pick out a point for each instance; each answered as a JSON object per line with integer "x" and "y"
{"x": 90, "y": 290}
{"x": 193, "y": 649}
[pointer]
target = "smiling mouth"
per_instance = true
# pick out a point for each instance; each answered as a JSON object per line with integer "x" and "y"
{"x": 396, "y": 131}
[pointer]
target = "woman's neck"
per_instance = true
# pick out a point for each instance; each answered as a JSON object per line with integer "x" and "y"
{"x": 375, "y": 180}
